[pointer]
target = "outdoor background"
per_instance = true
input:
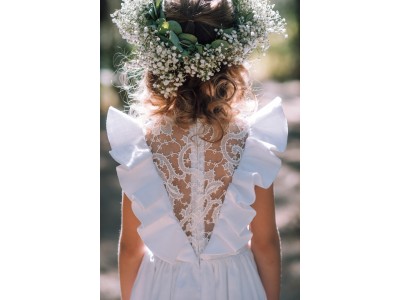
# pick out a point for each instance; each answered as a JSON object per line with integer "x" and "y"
{"x": 276, "y": 74}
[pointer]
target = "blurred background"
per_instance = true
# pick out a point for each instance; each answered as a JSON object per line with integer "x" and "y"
{"x": 276, "y": 74}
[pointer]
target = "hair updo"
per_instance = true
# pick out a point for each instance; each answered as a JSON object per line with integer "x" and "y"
{"x": 209, "y": 100}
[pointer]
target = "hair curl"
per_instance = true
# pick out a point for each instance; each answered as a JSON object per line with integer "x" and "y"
{"x": 212, "y": 100}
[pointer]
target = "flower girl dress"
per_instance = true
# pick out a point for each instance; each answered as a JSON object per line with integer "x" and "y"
{"x": 193, "y": 199}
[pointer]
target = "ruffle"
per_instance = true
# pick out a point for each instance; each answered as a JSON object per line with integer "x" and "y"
{"x": 259, "y": 166}
{"x": 140, "y": 181}
{"x": 142, "y": 184}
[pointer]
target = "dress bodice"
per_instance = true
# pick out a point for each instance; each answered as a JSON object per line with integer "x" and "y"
{"x": 196, "y": 169}
{"x": 193, "y": 198}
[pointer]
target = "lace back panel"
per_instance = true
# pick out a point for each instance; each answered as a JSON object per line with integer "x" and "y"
{"x": 196, "y": 173}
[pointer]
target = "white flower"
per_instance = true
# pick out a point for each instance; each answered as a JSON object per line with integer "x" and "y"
{"x": 162, "y": 59}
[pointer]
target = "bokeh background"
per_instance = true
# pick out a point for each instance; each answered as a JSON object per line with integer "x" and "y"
{"x": 276, "y": 74}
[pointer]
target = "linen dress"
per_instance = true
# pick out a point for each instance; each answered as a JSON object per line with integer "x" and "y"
{"x": 193, "y": 199}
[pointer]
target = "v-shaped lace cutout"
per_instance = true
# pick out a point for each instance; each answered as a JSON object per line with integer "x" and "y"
{"x": 196, "y": 173}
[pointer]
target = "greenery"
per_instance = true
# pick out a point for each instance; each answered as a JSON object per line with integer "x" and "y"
{"x": 281, "y": 63}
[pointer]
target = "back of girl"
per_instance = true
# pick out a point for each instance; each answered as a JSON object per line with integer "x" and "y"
{"x": 196, "y": 169}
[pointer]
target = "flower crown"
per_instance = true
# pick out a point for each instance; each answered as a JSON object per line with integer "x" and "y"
{"x": 165, "y": 51}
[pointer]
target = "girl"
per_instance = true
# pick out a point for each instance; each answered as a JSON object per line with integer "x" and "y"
{"x": 198, "y": 215}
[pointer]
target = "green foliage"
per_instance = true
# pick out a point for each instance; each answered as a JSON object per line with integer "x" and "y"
{"x": 282, "y": 60}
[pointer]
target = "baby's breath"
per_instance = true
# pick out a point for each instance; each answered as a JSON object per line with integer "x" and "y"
{"x": 255, "y": 20}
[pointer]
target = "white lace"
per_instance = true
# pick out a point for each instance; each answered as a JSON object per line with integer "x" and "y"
{"x": 196, "y": 173}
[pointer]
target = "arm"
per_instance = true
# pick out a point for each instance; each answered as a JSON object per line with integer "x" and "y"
{"x": 131, "y": 249}
{"x": 265, "y": 242}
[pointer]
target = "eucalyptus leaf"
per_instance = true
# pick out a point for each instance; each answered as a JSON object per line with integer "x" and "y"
{"x": 164, "y": 39}
{"x": 155, "y": 10}
{"x": 220, "y": 43}
{"x": 152, "y": 14}
{"x": 161, "y": 13}
{"x": 186, "y": 43}
{"x": 175, "y": 27}
{"x": 175, "y": 40}
{"x": 228, "y": 30}
{"x": 189, "y": 37}
{"x": 161, "y": 10}
{"x": 200, "y": 49}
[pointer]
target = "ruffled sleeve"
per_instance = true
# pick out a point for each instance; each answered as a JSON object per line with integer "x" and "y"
{"x": 141, "y": 183}
{"x": 126, "y": 138}
{"x": 268, "y": 134}
{"x": 259, "y": 166}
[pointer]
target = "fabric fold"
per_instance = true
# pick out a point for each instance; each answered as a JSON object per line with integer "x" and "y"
{"x": 141, "y": 183}
{"x": 259, "y": 166}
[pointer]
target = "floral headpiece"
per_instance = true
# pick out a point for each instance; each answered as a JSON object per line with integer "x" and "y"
{"x": 164, "y": 50}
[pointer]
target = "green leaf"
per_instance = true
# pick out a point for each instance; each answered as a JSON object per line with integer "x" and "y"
{"x": 152, "y": 14}
{"x": 220, "y": 43}
{"x": 175, "y": 27}
{"x": 161, "y": 13}
{"x": 161, "y": 10}
{"x": 200, "y": 49}
{"x": 228, "y": 30}
{"x": 164, "y": 39}
{"x": 189, "y": 37}
{"x": 186, "y": 43}
{"x": 163, "y": 27}
{"x": 175, "y": 40}
{"x": 155, "y": 9}
{"x": 160, "y": 21}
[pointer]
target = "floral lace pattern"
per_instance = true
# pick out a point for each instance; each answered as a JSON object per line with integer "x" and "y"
{"x": 196, "y": 173}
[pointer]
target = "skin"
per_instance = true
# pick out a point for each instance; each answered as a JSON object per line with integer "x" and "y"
{"x": 265, "y": 245}
{"x": 265, "y": 242}
{"x": 131, "y": 249}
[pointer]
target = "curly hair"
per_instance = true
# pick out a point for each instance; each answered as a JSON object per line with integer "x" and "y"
{"x": 210, "y": 100}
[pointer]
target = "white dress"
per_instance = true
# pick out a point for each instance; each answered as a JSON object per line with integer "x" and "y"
{"x": 193, "y": 199}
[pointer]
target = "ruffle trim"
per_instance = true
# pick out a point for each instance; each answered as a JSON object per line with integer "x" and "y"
{"x": 140, "y": 181}
{"x": 259, "y": 166}
{"x": 142, "y": 184}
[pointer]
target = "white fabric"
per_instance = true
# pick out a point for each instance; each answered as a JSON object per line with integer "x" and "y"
{"x": 223, "y": 267}
{"x": 196, "y": 169}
